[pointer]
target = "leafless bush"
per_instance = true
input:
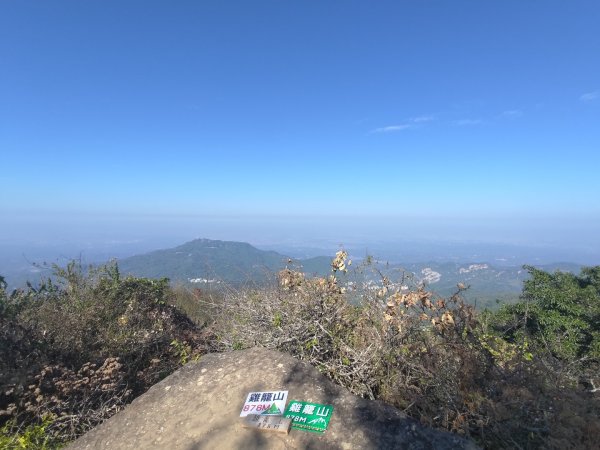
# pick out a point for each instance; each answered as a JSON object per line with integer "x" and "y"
{"x": 429, "y": 356}
{"x": 76, "y": 401}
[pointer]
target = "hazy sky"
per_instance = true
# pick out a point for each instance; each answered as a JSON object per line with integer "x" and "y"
{"x": 433, "y": 113}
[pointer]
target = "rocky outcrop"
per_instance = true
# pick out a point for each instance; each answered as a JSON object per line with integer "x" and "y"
{"x": 198, "y": 407}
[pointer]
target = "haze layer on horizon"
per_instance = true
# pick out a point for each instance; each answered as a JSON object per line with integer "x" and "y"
{"x": 277, "y": 122}
{"x": 574, "y": 241}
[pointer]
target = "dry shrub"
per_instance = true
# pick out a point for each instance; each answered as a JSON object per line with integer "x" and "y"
{"x": 75, "y": 401}
{"x": 193, "y": 302}
{"x": 76, "y": 351}
{"x": 424, "y": 354}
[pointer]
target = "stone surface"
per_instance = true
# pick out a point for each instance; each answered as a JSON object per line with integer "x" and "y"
{"x": 198, "y": 408}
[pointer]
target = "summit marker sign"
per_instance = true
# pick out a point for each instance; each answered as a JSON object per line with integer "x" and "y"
{"x": 309, "y": 416}
{"x": 265, "y": 403}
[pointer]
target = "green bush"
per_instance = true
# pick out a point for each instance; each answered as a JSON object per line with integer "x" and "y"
{"x": 34, "y": 436}
{"x": 559, "y": 314}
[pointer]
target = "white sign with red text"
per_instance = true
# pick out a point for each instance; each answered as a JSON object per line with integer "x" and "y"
{"x": 270, "y": 403}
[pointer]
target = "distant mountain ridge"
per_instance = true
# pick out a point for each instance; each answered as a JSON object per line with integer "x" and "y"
{"x": 212, "y": 262}
{"x": 206, "y": 261}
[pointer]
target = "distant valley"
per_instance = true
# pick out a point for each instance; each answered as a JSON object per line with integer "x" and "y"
{"x": 208, "y": 263}
{"x": 212, "y": 264}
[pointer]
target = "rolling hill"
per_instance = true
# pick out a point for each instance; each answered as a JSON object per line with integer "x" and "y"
{"x": 211, "y": 261}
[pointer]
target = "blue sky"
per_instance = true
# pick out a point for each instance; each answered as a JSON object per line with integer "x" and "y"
{"x": 452, "y": 112}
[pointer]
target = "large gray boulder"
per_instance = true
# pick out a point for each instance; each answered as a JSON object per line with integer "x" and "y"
{"x": 198, "y": 407}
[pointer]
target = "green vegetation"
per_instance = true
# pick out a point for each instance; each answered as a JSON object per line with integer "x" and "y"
{"x": 76, "y": 350}
{"x": 560, "y": 315}
{"x": 34, "y": 436}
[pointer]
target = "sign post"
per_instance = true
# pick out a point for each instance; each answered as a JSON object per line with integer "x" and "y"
{"x": 309, "y": 416}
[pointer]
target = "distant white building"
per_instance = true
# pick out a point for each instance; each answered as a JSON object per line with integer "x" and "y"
{"x": 202, "y": 280}
{"x": 430, "y": 276}
{"x": 473, "y": 268}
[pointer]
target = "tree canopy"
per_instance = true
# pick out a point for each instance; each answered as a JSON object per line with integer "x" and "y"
{"x": 558, "y": 311}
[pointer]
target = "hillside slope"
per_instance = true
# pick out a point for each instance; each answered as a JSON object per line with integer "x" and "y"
{"x": 206, "y": 261}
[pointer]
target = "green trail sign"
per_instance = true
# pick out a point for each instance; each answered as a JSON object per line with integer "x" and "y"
{"x": 309, "y": 416}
